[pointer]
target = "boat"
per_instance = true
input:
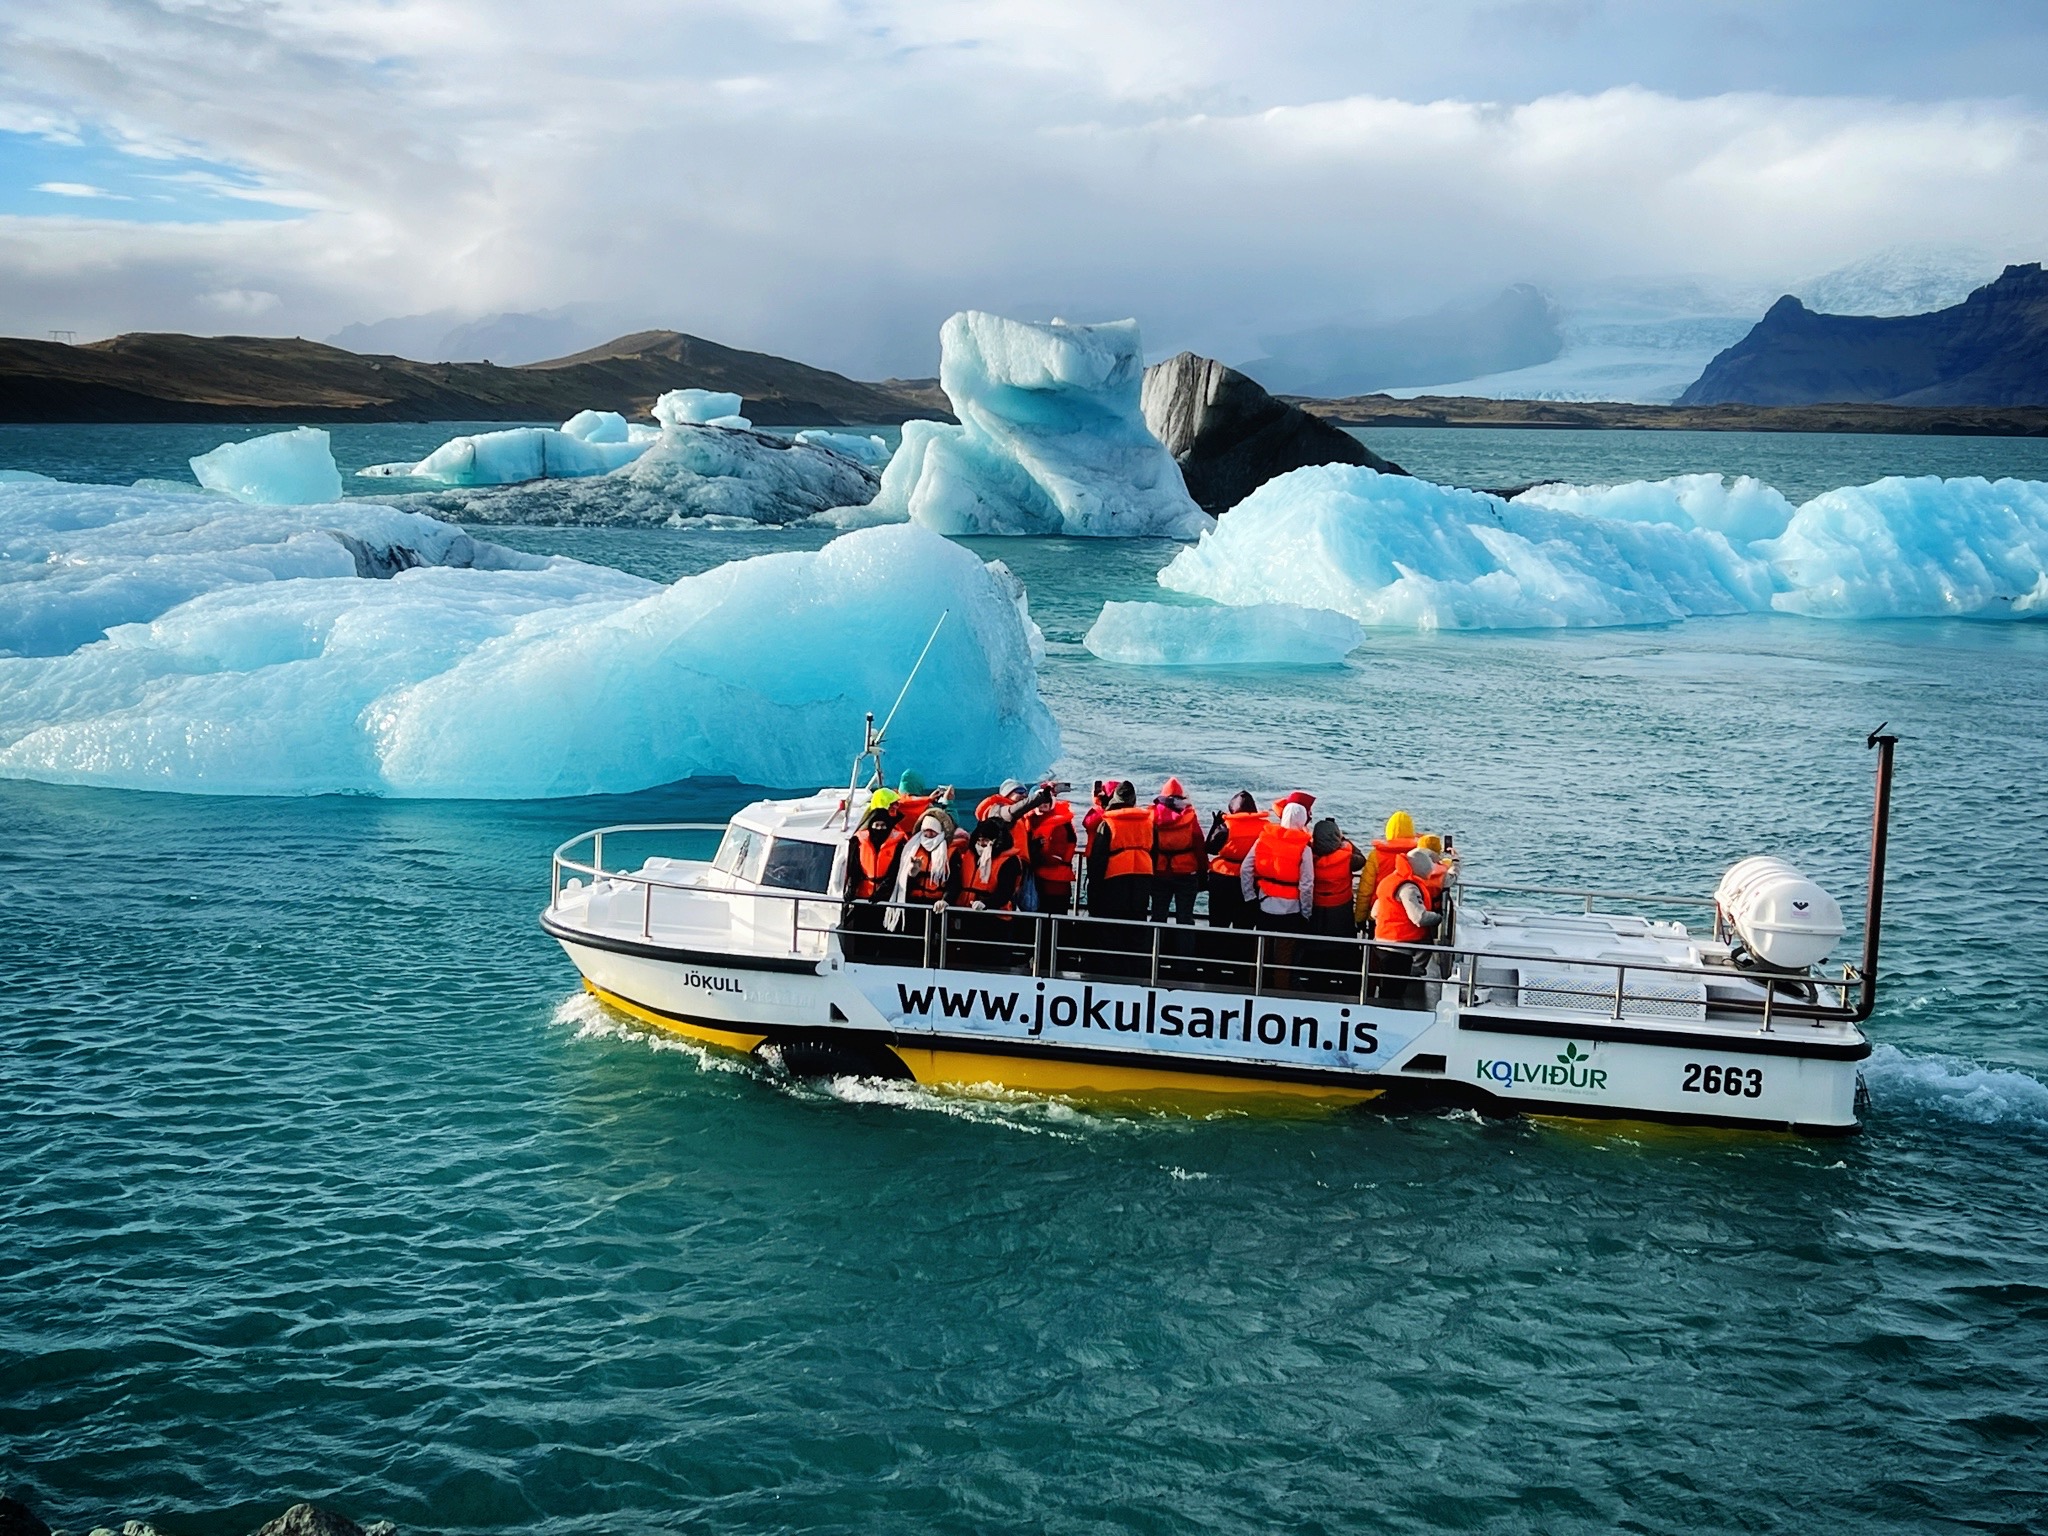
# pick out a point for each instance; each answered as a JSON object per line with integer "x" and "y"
{"x": 1555, "y": 1001}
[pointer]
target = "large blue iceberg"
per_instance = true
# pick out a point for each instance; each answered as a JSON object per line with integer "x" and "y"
{"x": 288, "y": 672}
{"x": 1210, "y": 635}
{"x": 1401, "y": 552}
{"x": 278, "y": 469}
{"x": 1051, "y": 439}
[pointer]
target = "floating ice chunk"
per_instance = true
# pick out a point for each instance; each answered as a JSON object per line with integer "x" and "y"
{"x": 79, "y": 560}
{"x": 689, "y": 474}
{"x": 520, "y": 454}
{"x": 1266, "y": 634}
{"x": 569, "y": 679}
{"x": 598, "y": 427}
{"x": 1921, "y": 548}
{"x": 1393, "y": 550}
{"x": 1745, "y": 511}
{"x": 700, "y": 408}
{"x": 871, "y": 451}
{"x": 1051, "y": 439}
{"x": 19, "y": 476}
{"x": 279, "y": 469}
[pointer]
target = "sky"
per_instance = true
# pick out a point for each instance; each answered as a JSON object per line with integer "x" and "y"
{"x": 828, "y": 179}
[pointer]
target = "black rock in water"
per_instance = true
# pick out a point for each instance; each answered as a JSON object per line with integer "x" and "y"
{"x": 17, "y": 1519}
{"x": 1991, "y": 349}
{"x": 1230, "y": 437}
{"x": 311, "y": 1520}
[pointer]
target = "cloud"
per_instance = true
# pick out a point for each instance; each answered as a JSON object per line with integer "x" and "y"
{"x": 831, "y": 179}
{"x": 241, "y": 303}
{"x": 77, "y": 189}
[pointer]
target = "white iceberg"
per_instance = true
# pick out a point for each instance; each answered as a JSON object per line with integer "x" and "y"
{"x": 557, "y": 679}
{"x": 1403, "y": 552}
{"x": 1051, "y": 439}
{"x": 79, "y": 560}
{"x": 872, "y": 451}
{"x": 700, "y": 408}
{"x": 1917, "y": 548}
{"x": 605, "y": 427}
{"x": 689, "y": 475}
{"x": 1745, "y": 510}
{"x": 279, "y": 469}
{"x": 1262, "y": 635}
{"x": 20, "y": 477}
{"x": 1391, "y": 550}
{"x": 519, "y": 454}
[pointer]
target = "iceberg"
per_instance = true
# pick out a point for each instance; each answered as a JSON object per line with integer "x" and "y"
{"x": 79, "y": 560}
{"x": 871, "y": 451}
{"x": 523, "y": 453}
{"x": 291, "y": 674}
{"x": 689, "y": 475}
{"x": 1918, "y": 548}
{"x": 1051, "y": 440}
{"x": 1396, "y": 551}
{"x": 1261, "y": 635}
{"x": 700, "y": 408}
{"x": 20, "y": 477}
{"x": 1744, "y": 511}
{"x": 279, "y": 469}
{"x": 605, "y": 427}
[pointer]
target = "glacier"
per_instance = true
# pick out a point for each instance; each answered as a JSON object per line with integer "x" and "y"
{"x": 1051, "y": 439}
{"x": 1263, "y": 634}
{"x": 267, "y": 664}
{"x": 79, "y": 560}
{"x": 278, "y": 469}
{"x": 1400, "y": 552}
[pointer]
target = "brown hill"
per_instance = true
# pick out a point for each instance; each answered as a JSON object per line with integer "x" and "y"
{"x": 165, "y": 377}
{"x": 1582, "y": 415}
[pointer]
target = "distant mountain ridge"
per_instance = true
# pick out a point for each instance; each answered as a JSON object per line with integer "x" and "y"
{"x": 165, "y": 377}
{"x": 1991, "y": 349}
{"x": 1516, "y": 329}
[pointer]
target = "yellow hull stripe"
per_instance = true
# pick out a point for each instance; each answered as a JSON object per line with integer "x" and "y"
{"x": 1032, "y": 1074}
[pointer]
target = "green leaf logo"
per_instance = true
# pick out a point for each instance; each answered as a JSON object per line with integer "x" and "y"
{"x": 1571, "y": 1053}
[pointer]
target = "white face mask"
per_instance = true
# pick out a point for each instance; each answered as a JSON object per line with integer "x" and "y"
{"x": 930, "y": 839}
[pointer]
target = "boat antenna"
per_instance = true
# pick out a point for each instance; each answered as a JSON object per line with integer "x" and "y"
{"x": 871, "y": 739}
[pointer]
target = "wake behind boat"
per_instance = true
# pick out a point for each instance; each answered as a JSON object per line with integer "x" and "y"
{"x": 1603, "y": 1008}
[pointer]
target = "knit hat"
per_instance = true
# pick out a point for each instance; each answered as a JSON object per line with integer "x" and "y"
{"x": 1327, "y": 837}
{"x": 1126, "y": 794}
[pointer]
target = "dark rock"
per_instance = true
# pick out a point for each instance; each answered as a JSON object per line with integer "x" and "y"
{"x": 1230, "y": 437}
{"x": 310, "y": 1520}
{"x": 17, "y": 1519}
{"x": 1989, "y": 350}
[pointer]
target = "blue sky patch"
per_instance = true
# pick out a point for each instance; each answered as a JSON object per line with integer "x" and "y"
{"x": 96, "y": 178}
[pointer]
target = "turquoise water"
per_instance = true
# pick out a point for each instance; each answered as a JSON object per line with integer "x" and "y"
{"x": 323, "y": 1181}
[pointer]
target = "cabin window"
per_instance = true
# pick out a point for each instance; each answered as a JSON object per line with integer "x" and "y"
{"x": 737, "y": 850}
{"x": 798, "y": 866}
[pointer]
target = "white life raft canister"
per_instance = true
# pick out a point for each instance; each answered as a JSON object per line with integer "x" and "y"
{"x": 1782, "y": 918}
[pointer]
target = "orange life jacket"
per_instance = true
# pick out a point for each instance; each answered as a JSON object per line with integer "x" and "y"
{"x": 909, "y": 808}
{"x": 1130, "y": 841}
{"x": 1177, "y": 845}
{"x": 1333, "y": 877}
{"x": 864, "y": 879}
{"x": 973, "y": 888}
{"x": 1390, "y": 921}
{"x": 1244, "y": 828}
{"x": 921, "y": 887}
{"x": 1051, "y": 838}
{"x": 1276, "y": 861}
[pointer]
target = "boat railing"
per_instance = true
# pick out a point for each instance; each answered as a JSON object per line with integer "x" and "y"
{"x": 1200, "y": 957}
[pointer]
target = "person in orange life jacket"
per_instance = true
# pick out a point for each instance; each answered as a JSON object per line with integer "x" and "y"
{"x": 913, "y": 800}
{"x": 1337, "y": 865}
{"x": 1051, "y": 843}
{"x": 1009, "y": 807}
{"x": 1179, "y": 860}
{"x": 1396, "y": 840}
{"x": 1120, "y": 857}
{"x": 991, "y": 871}
{"x": 1279, "y": 879}
{"x": 1407, "y": 909}
{"x": 1232, "y": 832}
{"x": 928, "y": 873}
{"x": 871, "y": 857}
